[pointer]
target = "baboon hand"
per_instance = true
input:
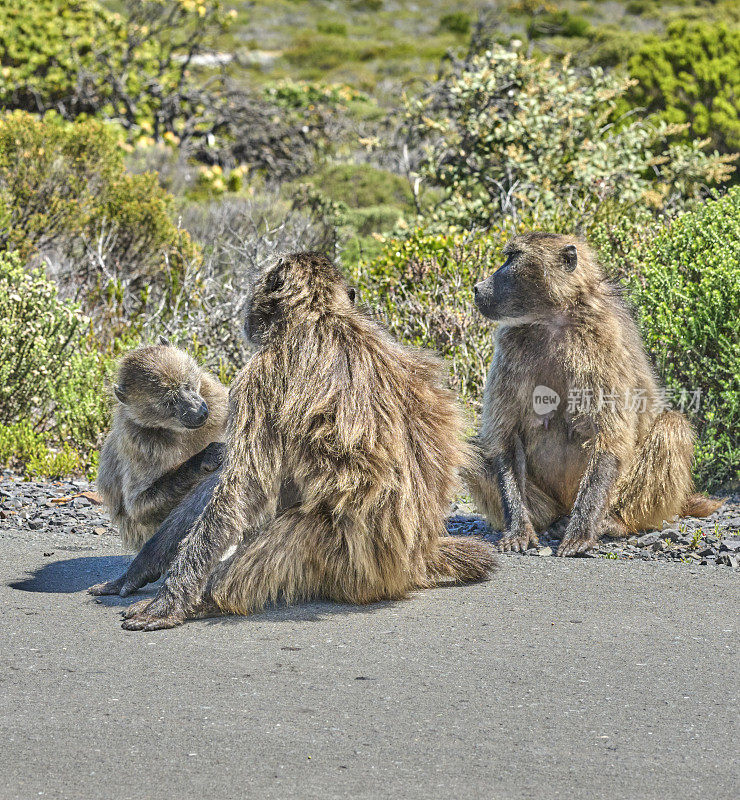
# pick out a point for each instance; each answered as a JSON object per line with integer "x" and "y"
{"x": 153, "y": 615}
{"x": 212, "y": 456}
{"x": 518, "y": 540}
{"x": 577, "y": 540}
{"x": 108, "y": 587}
{"x": 127, "y": 584}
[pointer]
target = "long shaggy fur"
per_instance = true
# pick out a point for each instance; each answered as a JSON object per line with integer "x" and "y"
{"x": 367, "y": 437}
{"x": 138, "y": 475}
{"x": 370, "y": 437}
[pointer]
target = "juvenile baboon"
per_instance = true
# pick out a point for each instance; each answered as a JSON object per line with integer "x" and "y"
{"x": 368, "y": 441}
{"x": 166, "y": 436}
{"x": 572, "y": 420}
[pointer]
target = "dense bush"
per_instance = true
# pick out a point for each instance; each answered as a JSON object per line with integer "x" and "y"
{"x": 692, "y": 75}
{"x": 422, "y": 288}
{"x": 51, "y": 377}
{"x": 45, "y": 45}
{"x": 66, "y": 201}
{"x": 684, "y": 283}
{"x": 557, "y": 23}
{"x": 510, "y": 135}
{"x": 76, "y": 57}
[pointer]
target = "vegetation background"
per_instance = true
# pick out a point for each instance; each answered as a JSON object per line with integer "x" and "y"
{"x": 155, "y": 153}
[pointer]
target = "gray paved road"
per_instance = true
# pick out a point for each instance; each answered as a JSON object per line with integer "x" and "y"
{"x": 574, "y": 679}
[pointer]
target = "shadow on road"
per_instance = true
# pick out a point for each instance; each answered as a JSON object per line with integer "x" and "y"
{"x": 72, "y": 574}
{"x": 77, "y": 574}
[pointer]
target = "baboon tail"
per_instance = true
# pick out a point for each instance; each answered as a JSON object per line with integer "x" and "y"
{"x": 463, "y": 559}
{"x": 699, "y": 505}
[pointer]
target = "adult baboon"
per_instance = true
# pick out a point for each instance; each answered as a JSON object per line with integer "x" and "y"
{"x": 572, "y": 420}
{"x": 166, "y": 436}
{"x": 366, "y": 435}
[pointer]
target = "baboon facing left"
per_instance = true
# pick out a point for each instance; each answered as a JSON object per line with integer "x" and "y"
{"x": 368, "y": 437}
{"x": 605, "y": 454}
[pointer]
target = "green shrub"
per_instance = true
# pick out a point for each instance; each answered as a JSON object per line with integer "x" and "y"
{"x": 422, "y": 288}
{"x": 363, "y": 186}
{"x": 692, "y": 75}
{"x": 51, "y": 376}
{"x": 508, "y": 135}
{"x": 65, "y": 197}
{"x": 684, "y": 283}
{"x": 43, "y": 45}
{"x": 557, "y": 23}
{"x": 76, "y": 57}
{"x": 330, "y": 26}
{"x": 23, "y": 448}
{"x": 456, "y": 22}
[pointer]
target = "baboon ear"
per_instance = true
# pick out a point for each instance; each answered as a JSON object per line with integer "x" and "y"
{"x": 119, "y": 393}
{"x": 163, "y": 340}
{"x": 570, "y": 258}
{"x": 276, "y": 278}
{"x": 352, "y": 293}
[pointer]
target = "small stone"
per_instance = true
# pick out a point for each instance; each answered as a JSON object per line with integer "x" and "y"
{"x": 729, "y": 559}
{"x": 35, "y": 524}
{"x": 660, "y": 545}
{"x": 544, "y": 551}
{"x": 729, "y": 545}
{"x": 632, "y": 541}
{"x": 671, "y": 534}
{"x": 98, "y": 531}
{"x": 4, "y": 514}
{"x": 533, "y": 551}
{"x": 706, "y": 551}
{"x": 647, "y": 539}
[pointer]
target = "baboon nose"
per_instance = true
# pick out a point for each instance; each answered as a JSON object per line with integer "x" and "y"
{"x": 202, "y": 415}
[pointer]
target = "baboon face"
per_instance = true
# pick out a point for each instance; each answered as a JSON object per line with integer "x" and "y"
{"x": 297, "y": 285}
{"x": 160, "y": 387}
{"x": 520, "y": 290}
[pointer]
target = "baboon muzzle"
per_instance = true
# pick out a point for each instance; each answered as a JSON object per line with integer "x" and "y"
{"x": 194, "y": 416}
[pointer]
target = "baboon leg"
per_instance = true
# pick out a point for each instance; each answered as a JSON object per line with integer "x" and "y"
{"x": 509, "y": 468}
{"x": 265, "y": 568}
{"x": 658, "y": 482}
{"x": 484, "y": 488}
{"x": 587, "y": 517}
{"x": 155, "y": 557}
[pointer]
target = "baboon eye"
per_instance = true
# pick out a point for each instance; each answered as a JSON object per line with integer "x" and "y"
{"x": 570, "y": 258}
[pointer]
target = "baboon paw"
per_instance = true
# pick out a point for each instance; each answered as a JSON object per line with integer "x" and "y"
{"x": 213, "y": 456}
{"x": 137, "y": 608}
{"x": 152, "y": 615}
{"x": 107, "y": 587}
{"x": 518, "y": 542}
{"x": 573, "y": 544}
{"x": 147, "y": 622}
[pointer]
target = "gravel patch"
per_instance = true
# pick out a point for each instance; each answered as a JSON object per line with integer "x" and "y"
{"x": 68, "y": 513}
{"x": 65, "y": 513}
{"x": 707, "y": 541}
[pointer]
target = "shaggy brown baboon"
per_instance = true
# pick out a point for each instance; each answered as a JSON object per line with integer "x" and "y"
{"x": 573, "y": 422}
{"x": 366, "y": 435}
{"x": 166, "y": 436}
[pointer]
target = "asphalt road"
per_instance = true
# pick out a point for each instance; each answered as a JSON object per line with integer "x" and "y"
{"x": 583, "y": 678}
